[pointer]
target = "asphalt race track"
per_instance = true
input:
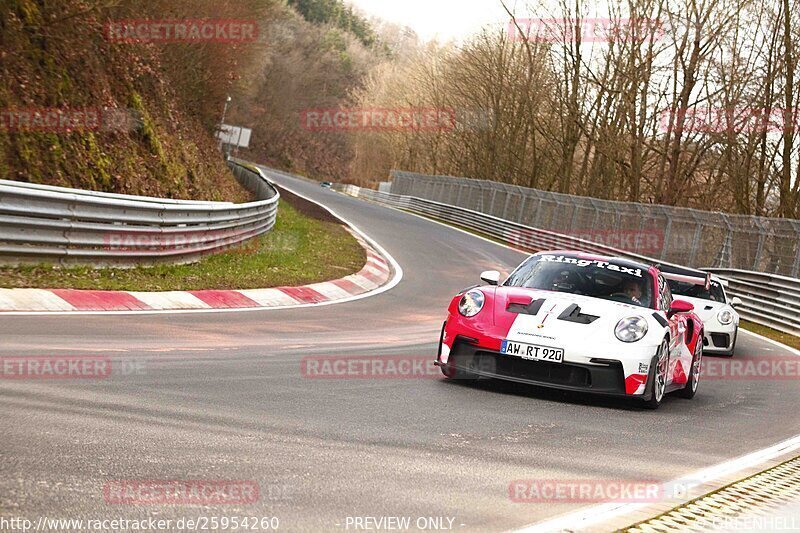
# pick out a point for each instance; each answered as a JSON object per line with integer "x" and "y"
{"x": 221, "y": 396}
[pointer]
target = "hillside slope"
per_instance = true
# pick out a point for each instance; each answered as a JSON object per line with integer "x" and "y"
{"x": 150, "y": 125}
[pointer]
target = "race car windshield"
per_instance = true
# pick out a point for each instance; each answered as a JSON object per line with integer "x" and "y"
{"x": 715, "y": 293}
{"x": 598, "y": 279}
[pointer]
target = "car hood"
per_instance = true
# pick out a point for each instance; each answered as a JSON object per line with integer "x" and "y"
{"x": 546, "y": 324}
{"x": 705, "y": 309}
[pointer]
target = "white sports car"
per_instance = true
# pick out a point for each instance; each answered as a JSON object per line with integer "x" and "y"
{"x": 716, "y": 310}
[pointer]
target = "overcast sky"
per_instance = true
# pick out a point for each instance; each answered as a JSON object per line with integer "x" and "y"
{"x": 445, "y": 19}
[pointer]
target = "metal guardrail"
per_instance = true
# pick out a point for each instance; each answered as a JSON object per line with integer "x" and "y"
{"x": 40, "y": 223}
{"x": 767, "y": 299}
{"x": 687, "y": 236}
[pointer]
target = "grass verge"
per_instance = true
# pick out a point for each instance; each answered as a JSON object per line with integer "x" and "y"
{"x": 306, "y": 245}
{"x": 783, "y": 338}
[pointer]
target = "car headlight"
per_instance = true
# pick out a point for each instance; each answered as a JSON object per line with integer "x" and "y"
{"x": 471, "y": 303}
{"x": 631, "y": 329}
{"x": 725, "y": 317}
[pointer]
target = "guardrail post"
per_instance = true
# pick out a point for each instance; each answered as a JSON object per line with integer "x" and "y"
{"x": 491, "y": 203}
{"x": 452, "y": 191}
{"x": 521, "y": 214}
{"x": 505, "y": 207}
{"x": 667, "y": 235}
{"x": 596, "y": 219}
{"x": 695, "y": 240}
{"x": 724, "y": 257}
{"x": 538, "y": 219}
{"x": 760, "y": 247}
{"x": 575, "y": 208}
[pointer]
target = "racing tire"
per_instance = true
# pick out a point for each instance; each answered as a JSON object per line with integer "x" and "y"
{"x": 695, "y": 373}
{"x": 657, "y": 380}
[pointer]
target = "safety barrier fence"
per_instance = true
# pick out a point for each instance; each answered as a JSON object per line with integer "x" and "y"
{"x": 691, "y": 237}
{"x": 767, "y": 299}
{"x": 40, "y": 223}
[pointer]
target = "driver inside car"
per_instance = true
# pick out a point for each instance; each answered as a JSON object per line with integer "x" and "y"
{"x": 633, "y": 290}
{"x": 564, "y": 281}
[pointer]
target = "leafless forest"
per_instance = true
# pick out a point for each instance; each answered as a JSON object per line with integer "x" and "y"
{"x": 689, "y": 102}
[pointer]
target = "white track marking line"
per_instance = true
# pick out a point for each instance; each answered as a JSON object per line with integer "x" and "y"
{"x": 396, "y": 278}
{"x": 771, "y": 341}
{"x": 590, "y": 516}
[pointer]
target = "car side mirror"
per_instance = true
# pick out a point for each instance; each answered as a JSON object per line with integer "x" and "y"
{"x": 492, "y": 277}
{"x": 736, "y": 302}
{"x": 680, "y": 306}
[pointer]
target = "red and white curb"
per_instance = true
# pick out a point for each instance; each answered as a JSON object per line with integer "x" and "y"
{"x": 380, "y": 273}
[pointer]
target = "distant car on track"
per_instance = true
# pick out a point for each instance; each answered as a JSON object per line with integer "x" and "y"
{"x": 326, "y": 184}
{"x": 715, "y": 309}
{"x": 576, "y": 321}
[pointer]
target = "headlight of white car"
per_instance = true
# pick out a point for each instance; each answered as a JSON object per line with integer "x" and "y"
{"x": 725, "y": 317}
{"x": 471, "y": 303}
{"x": 631, "y": 329}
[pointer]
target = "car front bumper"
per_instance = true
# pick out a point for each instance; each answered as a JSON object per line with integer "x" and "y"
{"x": 718, "y": 338}
{"x": 606, "y": 377}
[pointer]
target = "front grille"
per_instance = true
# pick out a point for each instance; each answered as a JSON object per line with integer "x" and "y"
{"x": 720, "y": 340}
{"x": 544, "y": 371}
{"x": 608, "y": 378}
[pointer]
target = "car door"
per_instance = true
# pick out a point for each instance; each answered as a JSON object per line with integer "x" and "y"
{"x": 680, "y": 357}
{"x": 676, "y": 330}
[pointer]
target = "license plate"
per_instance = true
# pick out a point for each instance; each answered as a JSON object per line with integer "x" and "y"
{"x": 532, "y": 351}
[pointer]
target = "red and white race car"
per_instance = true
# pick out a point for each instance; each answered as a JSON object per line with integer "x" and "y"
{"x": 576, "y": 321}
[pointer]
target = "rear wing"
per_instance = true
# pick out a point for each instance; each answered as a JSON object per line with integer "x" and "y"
{"x": 686, "y": 275}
